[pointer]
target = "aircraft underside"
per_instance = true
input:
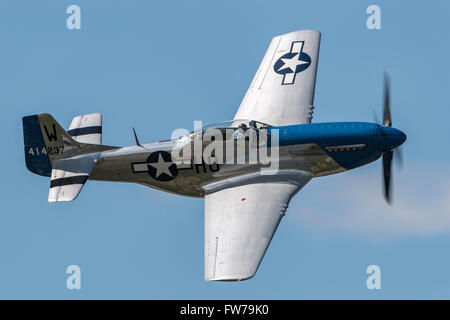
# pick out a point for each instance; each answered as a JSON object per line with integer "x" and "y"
{"x": 245, "y": 193}
{"x": 189, "y": 179}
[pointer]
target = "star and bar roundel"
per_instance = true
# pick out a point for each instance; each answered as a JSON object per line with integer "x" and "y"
{"x": 293, "y": 62}
{"x": 159, "y": 166}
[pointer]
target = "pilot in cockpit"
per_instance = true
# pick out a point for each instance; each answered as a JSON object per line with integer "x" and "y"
{"x": 239, "y": 133}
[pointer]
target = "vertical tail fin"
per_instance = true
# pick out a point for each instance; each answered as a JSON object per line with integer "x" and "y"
{"x": 51, "y": 151}
{"x": 45, "y": 141}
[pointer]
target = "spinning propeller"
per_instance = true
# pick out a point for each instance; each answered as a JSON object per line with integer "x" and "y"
{"x": 389, "y": 139}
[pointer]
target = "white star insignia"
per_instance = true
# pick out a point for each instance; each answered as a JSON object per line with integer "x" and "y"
{"x": 292, "y": 63}
{"x": 161, "y": 166}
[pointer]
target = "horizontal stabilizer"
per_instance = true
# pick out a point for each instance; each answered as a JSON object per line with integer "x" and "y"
{"x": 87, "y": 128}
{"x": 69, "y": 176}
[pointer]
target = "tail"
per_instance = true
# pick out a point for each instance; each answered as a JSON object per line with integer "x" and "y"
{"x": 45, "y": 141}
{"x": 50, "y": 151}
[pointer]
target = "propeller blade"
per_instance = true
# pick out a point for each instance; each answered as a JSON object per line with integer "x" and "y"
{"x": 399, "y": 158}
{"x": 387, "y": 161}
{"x": 387, "y": 121}
{"x": 375, "y": 117}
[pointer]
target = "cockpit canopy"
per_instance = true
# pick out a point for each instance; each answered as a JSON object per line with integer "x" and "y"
{"x": 230, "y": 124}
{"x": 236, "y": 123}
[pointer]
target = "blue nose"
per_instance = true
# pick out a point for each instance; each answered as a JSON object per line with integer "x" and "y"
{"x": 389, "y": 138}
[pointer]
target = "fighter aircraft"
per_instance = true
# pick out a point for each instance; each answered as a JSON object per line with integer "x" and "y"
{"x": 244, "y": 201}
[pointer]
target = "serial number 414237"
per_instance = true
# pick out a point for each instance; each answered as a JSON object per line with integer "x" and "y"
{"x": 37, "y": 151}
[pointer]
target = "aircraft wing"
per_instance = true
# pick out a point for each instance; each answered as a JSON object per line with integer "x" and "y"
{"x": 282, "y": 91}
{"x": 241, "y": 216}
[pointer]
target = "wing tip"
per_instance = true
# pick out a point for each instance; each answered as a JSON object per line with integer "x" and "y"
{"x": 230, "y": 278}
{"x": 305, "y": 31}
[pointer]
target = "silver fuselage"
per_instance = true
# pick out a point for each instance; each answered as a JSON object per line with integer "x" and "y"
{"x": 302, "y": 147}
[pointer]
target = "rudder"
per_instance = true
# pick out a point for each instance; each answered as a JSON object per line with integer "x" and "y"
{"x": 45, "y": 141}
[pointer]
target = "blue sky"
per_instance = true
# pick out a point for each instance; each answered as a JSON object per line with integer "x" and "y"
{"x": 158, "y": 66}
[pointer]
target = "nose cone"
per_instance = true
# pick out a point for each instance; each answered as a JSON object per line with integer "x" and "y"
{"x": 390, "y": 138}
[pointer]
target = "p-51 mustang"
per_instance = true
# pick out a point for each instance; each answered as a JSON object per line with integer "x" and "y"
{"x": 243, "y": 203}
